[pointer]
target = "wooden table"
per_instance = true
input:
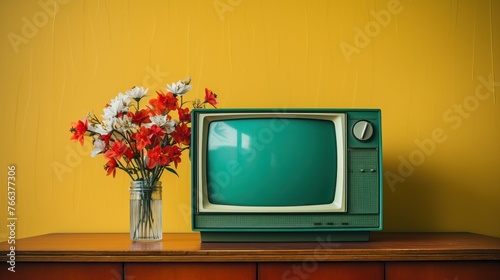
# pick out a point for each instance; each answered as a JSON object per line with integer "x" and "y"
{"x": 451, "y": 256}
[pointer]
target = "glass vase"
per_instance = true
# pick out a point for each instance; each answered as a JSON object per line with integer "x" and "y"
{"x": 145, "y": 211}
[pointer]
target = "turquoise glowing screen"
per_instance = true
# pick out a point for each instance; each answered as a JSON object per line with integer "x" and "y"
{"x": 271, "y": 162}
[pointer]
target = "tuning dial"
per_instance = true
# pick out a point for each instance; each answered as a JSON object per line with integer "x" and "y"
{"x": 363, "y": 130}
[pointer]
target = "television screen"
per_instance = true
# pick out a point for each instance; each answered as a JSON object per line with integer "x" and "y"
{"x": 298, "y": 154}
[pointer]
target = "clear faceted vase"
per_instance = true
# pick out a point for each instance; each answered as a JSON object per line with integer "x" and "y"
{"x": 145, "y": 211}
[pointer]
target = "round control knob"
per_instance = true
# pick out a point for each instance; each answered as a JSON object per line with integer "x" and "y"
{"x": 363, "y": 130}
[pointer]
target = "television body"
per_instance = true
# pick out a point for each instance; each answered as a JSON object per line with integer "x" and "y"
{"x": 286, "y": 175}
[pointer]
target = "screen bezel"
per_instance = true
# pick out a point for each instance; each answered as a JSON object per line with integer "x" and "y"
{"x": 201, "y": 132}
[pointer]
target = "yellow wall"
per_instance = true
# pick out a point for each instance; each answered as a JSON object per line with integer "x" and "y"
{"x": 431, "y": 66}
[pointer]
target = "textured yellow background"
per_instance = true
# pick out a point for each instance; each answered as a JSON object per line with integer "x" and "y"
{"x": 431, "y": 66}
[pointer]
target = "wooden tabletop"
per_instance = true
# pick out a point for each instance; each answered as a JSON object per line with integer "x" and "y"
{"x": 186, "y": 247}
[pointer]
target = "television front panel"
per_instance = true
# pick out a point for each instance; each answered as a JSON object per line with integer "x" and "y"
{"x": 286, "y": 175}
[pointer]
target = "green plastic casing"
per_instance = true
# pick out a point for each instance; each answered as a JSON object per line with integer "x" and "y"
{"x": 362, "y": 180}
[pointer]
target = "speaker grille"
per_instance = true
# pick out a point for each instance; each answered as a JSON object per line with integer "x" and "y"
{"x": 363, "y": 185}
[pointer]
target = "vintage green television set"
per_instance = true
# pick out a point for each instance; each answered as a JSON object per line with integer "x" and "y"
{"x": 286, "y": 175}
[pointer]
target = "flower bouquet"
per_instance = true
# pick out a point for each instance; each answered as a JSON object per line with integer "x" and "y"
{"x": 143, "y": 142}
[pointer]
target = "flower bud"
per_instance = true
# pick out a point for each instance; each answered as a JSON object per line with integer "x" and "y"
{"x": 187, "y": 80}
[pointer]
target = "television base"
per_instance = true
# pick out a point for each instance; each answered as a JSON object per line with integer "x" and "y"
{"x": 318, "y": 236}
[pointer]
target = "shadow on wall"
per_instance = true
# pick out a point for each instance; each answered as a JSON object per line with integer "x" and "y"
{"x": 412, "y": 204}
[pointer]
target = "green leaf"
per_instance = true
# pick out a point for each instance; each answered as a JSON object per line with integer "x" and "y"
{"x": 172, "y": 170}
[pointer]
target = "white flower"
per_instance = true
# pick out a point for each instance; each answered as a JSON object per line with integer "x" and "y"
{"x": 180, "y": 88}
{"x": 124, "y": 123}
{"x": 99, "y": 146}
{"x": 170, "y": 126}
{"x": 159, "y": 120}
{"x": 110, "y": 112}
{"x": 136, "y": 93}
{"x": 93, "y": 128}
{"x": 119, "y": 104}
{"x": 163, "y": 122}
{"x": 103, "y": 128}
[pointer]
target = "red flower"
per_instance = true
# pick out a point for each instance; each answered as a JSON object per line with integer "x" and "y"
{"x": 142, "y": 138}
{"x": 153, "y": 156}
{"x": 78, "y": 129}
{"x": 184, "y": 115}
{"x": 156, "y": 134}
{"x": 210, "y": 97}
{"x": 156, "y": 156}
{"x": 110, "y": 167}
{"x": 174, "y": 154}
{"x": 118, "y": 150}
{"x": 182, "y": 134}
{"x": 157, "y": 104}
{"x": 141, "y": 116}
{"x": 106, "y": 138}
{"x": 164, "y": 103}
{"x": 171, "y": 102}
